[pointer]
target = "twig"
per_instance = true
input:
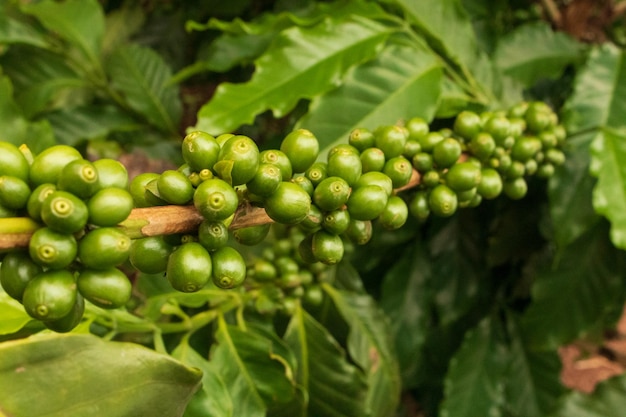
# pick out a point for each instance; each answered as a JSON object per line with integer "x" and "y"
{"x": 553, "y": 12}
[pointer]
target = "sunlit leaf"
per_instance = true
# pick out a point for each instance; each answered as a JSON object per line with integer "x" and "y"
{"x": 80, "y": 22}
{"x": 535, "y": 51}
{"x": 84, "y": 376}
{"x": 12, "y": 315}
{"x": 322, "y": 365}
{"x": 382, "y": 91}
{"x": 13, "y": 31}
{"x": 212, "y": 398}
{"x": 369, "y": 344}
{"x": 301, "y": 63}
{"x": 142, "y": 76}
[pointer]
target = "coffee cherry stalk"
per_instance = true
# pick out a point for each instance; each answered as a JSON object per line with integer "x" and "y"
{"x": 72, "y": 229}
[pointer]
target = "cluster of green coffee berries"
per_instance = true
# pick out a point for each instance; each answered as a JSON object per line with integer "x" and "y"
{"x": 382, "y": 175}
{"x": 482, "y": 156}
{"x": 66, "y": 261}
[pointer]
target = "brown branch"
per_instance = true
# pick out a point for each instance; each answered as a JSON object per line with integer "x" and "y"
{"x": 553, "y": 12}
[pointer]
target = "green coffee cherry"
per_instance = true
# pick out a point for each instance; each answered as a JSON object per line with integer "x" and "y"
{"x": 525, "y": 148}
{"x": 336, "y": 222}
{"x": 107, "y": 288}
{"x": 52, "y": 249}
{"x": 266, "y": 180}
{"x": 399, "y": 170}
{"x": 47, "y": 166}
{"x": 417, "y": 127}
{"x": 64, "y": 212}
{"x": 109, "y": 207}
{"x": 14, "y": 192}
{"x": 104, "y": 248}
{"x": 189, "y": 267}
{"x": 490, "y": 185}
{"x": 238, "y": 160}
{"x": 72, "y": 319}
{"x": 304, "y": 183}
{"x": 80, "y": 178}
{"x": 516, "y": 188}
{"x": 149, "y": 255}
{"x": 442, "y": 201}
{"x": 200, "y": 150}
{"x": 361, "y": 138}
{"x": 278, "y": 158}
{"x": 482, "y": 146}
{"x": 344, "y": 163}
{"x": 212, "y": 235}
{"x": 391, "y": 140}
{"x": 111, "y": 174}
{"x": 372, "y": 159}
{"x": 467, "y": 124}
{"x": 463, "y": 176}
{"x": 16, "y": 271}
{"x": 12, "y": 162}
{"x": 327, "y": 247}
{"x": 50, "y": 295}
{"x": 429, "y": 141}
{"x": 375, "y": 178}
{"x": 215, "y": 199}
{"x": 302, "y": 148}
{"x": 317, "y": 172}
{"x": 423, "y": 162}
{"x": 138, "y": 188}
{"x": 175, "y": 187}
{"x": 229, "y": 268}
{"x": 252, "y": 235}
{"x": 446, "y": 153}
{"x": 331, "y": 194}
{"x": 313, "y": 220}
{"x": 367, "y": 202}
{"x": 419, "y": 206}
{"x": 359, "y": 231}
{"x": 290, "y": 204}
{"x": 395, "y": 214}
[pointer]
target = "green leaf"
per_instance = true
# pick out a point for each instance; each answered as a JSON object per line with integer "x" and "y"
{"x": 535, "y": 51}
{"x": 42, "y": 80}
{"x": 608, "y": 400}
{"x": 13, "y": 31}
{"x": 381, "y": 91}
{"x": 577, "y": 293}
{"x": 599, "y": 97}
{"x": 80, "y": 22}
{"x": 13, "y": 123}
{"x": 254, "y": 374}
{"x": 608, "y": 153}
{"x": 369, "y": 345}
{"x": 13, "y": 316}
{"x": 120, "y": 25}
{"x": 142, "y": 76}
{"x": 335, "y": 387}
{"x": 474, "y": 384}
{"x": 301, "y": 63}
{"x": 82, "y": 375}
{"x": 570, "y": 192}
{"x": 406, "y": 299}
{"x": 212, "y": 398}
{"x": 532, "y": 380}
{"x": 74, "y": 125}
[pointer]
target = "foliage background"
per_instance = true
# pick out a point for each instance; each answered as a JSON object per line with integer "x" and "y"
{"x": 463, "y": 315}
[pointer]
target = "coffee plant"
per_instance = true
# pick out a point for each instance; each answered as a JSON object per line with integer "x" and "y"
{"x": 380, "y": 209}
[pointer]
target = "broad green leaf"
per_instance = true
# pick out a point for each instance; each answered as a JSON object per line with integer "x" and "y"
{"x": 74, "y": 125}
{"x": 83, "y": 376}
{"x": 120, "y": 25}
{"x": 13, "y": 31}
{"x": 12, "y": 315}
{"x": 253, "y": 373}
{"x": 212, "y": 399}
{"x": 570, "y": 192}
{"x": 608, "y": 153}
{"x": 301, "y": 63}
{"x": 42, "y": 79}
{"x": 608, "y": 400}
{"x": 335, "y": 387}
{"x": 599, "y": 97}
{"x": 577, "y": 293}
{"x": 13, "y": 123}
{"x": 369, "y": 345}
{"x": 535, "y": 51}
{"x": 474, "y": 384}
{"x": 532, "y": 379}
{"x": 406, "y": 299}
{"x": 80, "y": 22}
{"x": 141, "y": 76}
{"x": 381, "y": 91}
{"x": 452, "y": 100}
